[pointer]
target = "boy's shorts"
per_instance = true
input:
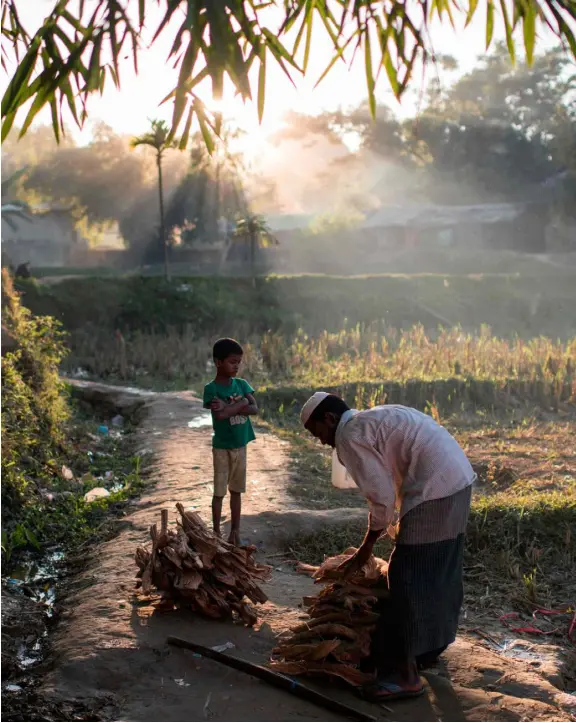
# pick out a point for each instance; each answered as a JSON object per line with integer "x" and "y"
{"x": 229, "y": 470}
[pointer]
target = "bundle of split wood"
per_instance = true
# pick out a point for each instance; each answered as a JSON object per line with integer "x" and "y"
{"x": 335, "y": 636}
{"x": 194, "y": 568}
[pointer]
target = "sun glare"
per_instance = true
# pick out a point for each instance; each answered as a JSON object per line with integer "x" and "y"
{"x": 253, "y": 136}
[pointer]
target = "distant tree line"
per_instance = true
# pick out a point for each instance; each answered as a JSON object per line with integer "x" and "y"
{"x": 499, "y": 133}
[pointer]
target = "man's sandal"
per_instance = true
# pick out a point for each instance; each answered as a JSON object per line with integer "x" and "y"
{"x": 387, "y": 690}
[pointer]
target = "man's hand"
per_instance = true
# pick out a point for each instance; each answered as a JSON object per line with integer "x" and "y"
{"x": 353, "y": 566}
{"x": 216, "y": 405}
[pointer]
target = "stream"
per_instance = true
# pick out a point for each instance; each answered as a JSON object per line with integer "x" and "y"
{"x": 34, "y": 579}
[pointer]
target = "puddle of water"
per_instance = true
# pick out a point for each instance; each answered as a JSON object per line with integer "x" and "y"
{"x": 36, "y": 580}
{"x": 12, "y": 688}
{"x": 203, "y": 420}
{"x": 29, "y": 655}
{"x": 517, "y": 649}
{"x": 31, "y": 572}
{"x": 521, "y": 651}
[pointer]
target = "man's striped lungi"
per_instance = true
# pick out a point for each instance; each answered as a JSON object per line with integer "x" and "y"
{"x": 425, "y": 581}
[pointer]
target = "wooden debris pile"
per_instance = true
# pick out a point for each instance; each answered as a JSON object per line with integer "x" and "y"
{"x": 194, "y": 568}
{"x": 335, "y": 636}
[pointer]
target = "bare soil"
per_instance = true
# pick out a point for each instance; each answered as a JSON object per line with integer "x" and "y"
{"x": 110, "y": 648}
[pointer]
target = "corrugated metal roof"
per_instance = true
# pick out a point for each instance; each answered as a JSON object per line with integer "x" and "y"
{"x": 443, "y": 216}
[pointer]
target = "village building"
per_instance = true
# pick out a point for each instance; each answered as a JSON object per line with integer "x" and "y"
{"x": 42, "y": 237}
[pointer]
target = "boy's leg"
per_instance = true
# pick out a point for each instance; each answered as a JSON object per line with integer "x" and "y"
{"x": 237, "y": 486}
{"x": 235, "y": 512}
{"x": 216, "y": 514}
{"x": 221, "y": 473}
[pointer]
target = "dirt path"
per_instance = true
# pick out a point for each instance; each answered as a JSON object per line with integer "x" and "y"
{"x": 110, "y": 647}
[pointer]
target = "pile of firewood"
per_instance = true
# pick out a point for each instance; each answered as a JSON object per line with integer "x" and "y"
{"x": 335, "y": 636}
{"x": 194, "y": 568}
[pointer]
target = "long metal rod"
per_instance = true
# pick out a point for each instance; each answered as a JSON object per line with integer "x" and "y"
{"x": 276, "y": 679}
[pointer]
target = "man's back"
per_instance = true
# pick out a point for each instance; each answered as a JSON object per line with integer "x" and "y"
{"x": 405, "y": 451}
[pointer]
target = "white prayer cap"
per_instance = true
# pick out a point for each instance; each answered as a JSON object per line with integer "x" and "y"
{"x": 311, "y": 405}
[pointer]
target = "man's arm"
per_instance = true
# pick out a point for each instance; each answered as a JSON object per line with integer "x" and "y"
{"x": 370, "y": 472}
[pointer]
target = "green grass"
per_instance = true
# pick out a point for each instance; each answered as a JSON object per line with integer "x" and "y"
{"x": 373, "y": 339}
{"x": 527, "y": 305}
{"x": 438, "y": 261}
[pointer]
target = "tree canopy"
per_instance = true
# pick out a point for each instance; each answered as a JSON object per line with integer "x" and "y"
{"x": 78, "y": 46}
{"x": 495, "y": 135}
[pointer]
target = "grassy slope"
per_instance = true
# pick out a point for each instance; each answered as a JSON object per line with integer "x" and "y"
{"x": 523, "y": 305}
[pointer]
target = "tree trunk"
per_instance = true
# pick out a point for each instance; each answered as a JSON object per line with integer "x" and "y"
{"x": 162, "y": 223}
{"x": 253, "y": 257}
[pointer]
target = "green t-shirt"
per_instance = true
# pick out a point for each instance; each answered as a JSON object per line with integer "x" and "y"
{"x": 237, "y": 431}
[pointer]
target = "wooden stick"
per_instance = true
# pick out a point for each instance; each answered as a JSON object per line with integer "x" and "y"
{"x": 275, "y": 679}
{"x": 163, "y": 522}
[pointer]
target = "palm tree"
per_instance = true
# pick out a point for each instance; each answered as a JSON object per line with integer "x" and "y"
{"x": 255, "y": 230}
{"x": 158, "y": 137}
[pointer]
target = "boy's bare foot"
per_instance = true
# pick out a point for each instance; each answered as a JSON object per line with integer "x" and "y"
{"x": 217, "y": 532}
{"x": 234, "y": 538}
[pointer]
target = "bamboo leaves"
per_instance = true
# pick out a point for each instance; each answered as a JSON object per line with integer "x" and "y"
{"x": 76, "y": 48}
{"x": 63, "y": 61}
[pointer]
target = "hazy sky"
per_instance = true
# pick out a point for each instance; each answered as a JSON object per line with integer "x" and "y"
{"x": 127, "y": 110}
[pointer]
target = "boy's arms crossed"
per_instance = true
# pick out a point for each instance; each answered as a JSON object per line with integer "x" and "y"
{"x": 246, "y": 406}
{"x": 252, "y": 407}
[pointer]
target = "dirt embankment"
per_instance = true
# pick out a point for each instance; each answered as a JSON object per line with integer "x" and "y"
{"x": 110, "y": 647}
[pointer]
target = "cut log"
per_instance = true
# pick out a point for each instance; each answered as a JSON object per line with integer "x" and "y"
{"x": 330, "y": 570}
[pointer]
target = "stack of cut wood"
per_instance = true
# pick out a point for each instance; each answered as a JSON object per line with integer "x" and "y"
{"x": 194, "y": 568}
{"x": 335, "y": 636}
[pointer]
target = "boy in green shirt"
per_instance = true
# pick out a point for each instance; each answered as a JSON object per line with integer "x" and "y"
{"x": 231, "y": 401}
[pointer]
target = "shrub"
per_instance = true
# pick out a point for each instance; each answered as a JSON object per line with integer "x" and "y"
{"x": 34, "y": 407}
